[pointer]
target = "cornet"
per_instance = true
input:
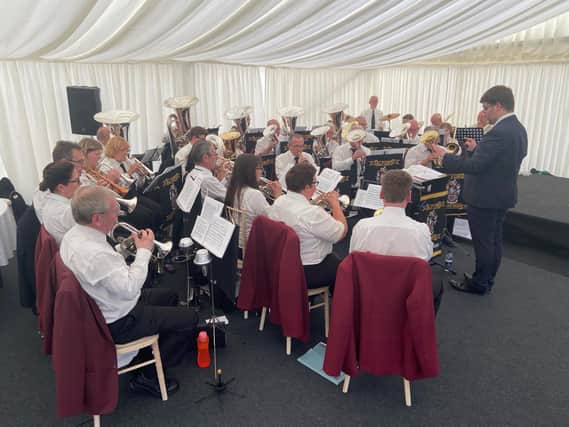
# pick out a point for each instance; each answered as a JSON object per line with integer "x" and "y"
{"x": 127, "y": 246}
{"x": 129, "y": 204}
{"x": 142, "y": 168}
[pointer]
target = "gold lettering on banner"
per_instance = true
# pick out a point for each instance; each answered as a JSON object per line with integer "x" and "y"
{"x": 455, "y": 175}
{"x": 460, "y": 206}
{"x": 427, "y": 207}
{"x": 171, "y": 180}
{"x": 384, "y": 163}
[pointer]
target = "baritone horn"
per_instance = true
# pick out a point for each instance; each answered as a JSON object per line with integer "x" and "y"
{"x": 127, "y": 245}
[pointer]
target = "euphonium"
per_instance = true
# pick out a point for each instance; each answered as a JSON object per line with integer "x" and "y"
{"x": 127, "y": 246}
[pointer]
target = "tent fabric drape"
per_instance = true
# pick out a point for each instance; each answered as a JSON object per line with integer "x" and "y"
{"x": 286, "y": 33}
{"x": 35, "y": 114}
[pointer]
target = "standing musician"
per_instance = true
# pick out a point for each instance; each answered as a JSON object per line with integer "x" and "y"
{"x": 243, "y": 191}
{"x": 201, "y": 164}
{"x": 196, "y": 134}
{"x": 422, "y": 153}
{"x": 351, "y": 157}
{"x": 266, "y": 144}
{"x": 129, "y": 311}
{"x": 316, "y": 229}
{"x": 285, "y": 161}
{"x": 61, "y": 178}
{"x": 373, "y": 115}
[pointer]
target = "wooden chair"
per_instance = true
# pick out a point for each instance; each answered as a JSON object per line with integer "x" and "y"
{"x": 325, "y": 292}
{"x": 239, "y": 217}
{"x": 149, "y": 341}
{"x": 406, "y": 388}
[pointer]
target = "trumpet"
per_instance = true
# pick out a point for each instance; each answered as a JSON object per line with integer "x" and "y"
{"x": 142, "y": 168}
{"x": 97, "y": 176}
{"x": 127, "y": 246}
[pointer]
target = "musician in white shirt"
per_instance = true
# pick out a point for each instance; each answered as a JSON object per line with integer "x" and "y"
{"x": 422, "y": 153}
{"x": 285, "y": 161}
{"x": 351, "y": 156}
{"x": 243, "y": 193}
{"x": 373, "y": 115}
{"x": 204, "y": 157}
{"x": 61, "y": 179}
{"x": 116, "y": 287}
{"x": 370, "y": 137}
{"x": 103, "y": 135}
{"x": 196, "y": 134}
{"x": 392, "y": 232}
{"x": 316, "y": 229}
{"x": 266, "y": 144}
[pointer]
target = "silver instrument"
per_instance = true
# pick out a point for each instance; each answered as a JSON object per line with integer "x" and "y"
{"x": 129, "y": 204}
{"x": 337, "y": 116}
{"x": 126, "y": 245}
{"x": 289, "y": 117}
{"x": 117, "y": 120}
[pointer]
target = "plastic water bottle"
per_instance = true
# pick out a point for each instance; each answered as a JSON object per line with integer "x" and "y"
{"x": 449, "y": 260}
{"x": 203, "y": 350}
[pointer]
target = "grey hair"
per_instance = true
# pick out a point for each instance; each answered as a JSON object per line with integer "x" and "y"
{"x": 89, "y": 200}
{"x": 199, "y": 150}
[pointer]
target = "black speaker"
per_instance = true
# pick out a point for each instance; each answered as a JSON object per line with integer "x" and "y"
{"x": 84, "y": 102}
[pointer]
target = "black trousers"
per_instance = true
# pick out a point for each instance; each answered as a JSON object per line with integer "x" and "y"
{"x": 323, "y": 274}
{"x": 157, "y": 312}
{"x": 486, "y": 227}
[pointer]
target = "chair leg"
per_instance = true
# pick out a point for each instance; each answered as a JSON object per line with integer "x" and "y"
{"x": 326, "y": 313}
{"x": 159, "y": 370}
{"x": 346, "y": 384}
{"x": 288, "y": 346}
{"x": 246, "y": 314}
{"x": 407, "y": 388}
{"x": 262, "y": 322}
{"x": 96, "y": 421}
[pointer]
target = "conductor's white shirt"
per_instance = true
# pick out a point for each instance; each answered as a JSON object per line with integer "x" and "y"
{"x": 317, "y": 230}
{"x": 392, "y": 233}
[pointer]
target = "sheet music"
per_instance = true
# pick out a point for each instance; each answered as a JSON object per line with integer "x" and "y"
{"x": 211, "y": 208}
{"x": 189, "y": 193}
{"x": 422, "y": 173}
{"x": 328, "y": 180}
{"x": 213, "y": 235}
{"x": 461, "y": 229}
{"x": 369, "y": 198}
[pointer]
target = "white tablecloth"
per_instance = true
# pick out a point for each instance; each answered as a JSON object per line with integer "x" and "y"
{"x": 7, "y": 232}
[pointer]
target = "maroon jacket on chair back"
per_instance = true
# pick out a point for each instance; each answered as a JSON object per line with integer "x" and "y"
{"x": 46, "y": 285}
{"x": 273, "y": 277}
{"x": 383, "y": 318}
{"x": 84, "y": 354}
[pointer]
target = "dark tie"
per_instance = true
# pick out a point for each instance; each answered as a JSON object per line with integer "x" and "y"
{"x": 123, "y": 168}
{"x": 372, "y": 126}
{"x": 296, "y": 160}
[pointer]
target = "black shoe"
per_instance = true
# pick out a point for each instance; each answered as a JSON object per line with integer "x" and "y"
{"x": 140, "y": 383}
{"x": 467, "y": 286}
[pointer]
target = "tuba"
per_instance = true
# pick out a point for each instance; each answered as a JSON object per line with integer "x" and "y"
{"x": 117, "y": 120}
{"x": 240, "y": 116}
{"x": 230, "y": 143}
{"x": 319, "y": 147}
{"x": 179, "y": 122}
{"x": 337, "y": 116}
{"x": 289, "y": 116}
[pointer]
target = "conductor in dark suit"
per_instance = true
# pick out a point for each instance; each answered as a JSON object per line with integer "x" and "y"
{"x": 490, "y": 184}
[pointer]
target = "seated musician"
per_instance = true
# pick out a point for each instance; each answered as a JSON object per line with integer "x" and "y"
{"x": 61, "y": 179}
{"x": 448, "y": 133}
{"x": 202, "y": 163}
{"x": 243, "y": 191}
{"x": 411, "y": 134}
{"x": 351, "y": 156}
{"x": 407, "y": 118}
{"x": 93, "y": 151}
{"x": 103, "y": 135}
{"x": 370, "y": 137}
{"x": 436, "y": 120}
{"x": 331, "y": 139}
{"x": 63, "y": 150}
{"x": 316, "y": 229}
{"x": 482, "y": 122}
{"x": 422, "y": 153}
{"x": 129, "y": 311}
{"x": 196, "y": 134}
{"x": 266, "y": 144}
{"x": 293, "y": 156}
{"x": 392, "y": 232}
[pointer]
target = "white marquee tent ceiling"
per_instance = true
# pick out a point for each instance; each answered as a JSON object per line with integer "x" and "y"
{"x": 283, "y": 33}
